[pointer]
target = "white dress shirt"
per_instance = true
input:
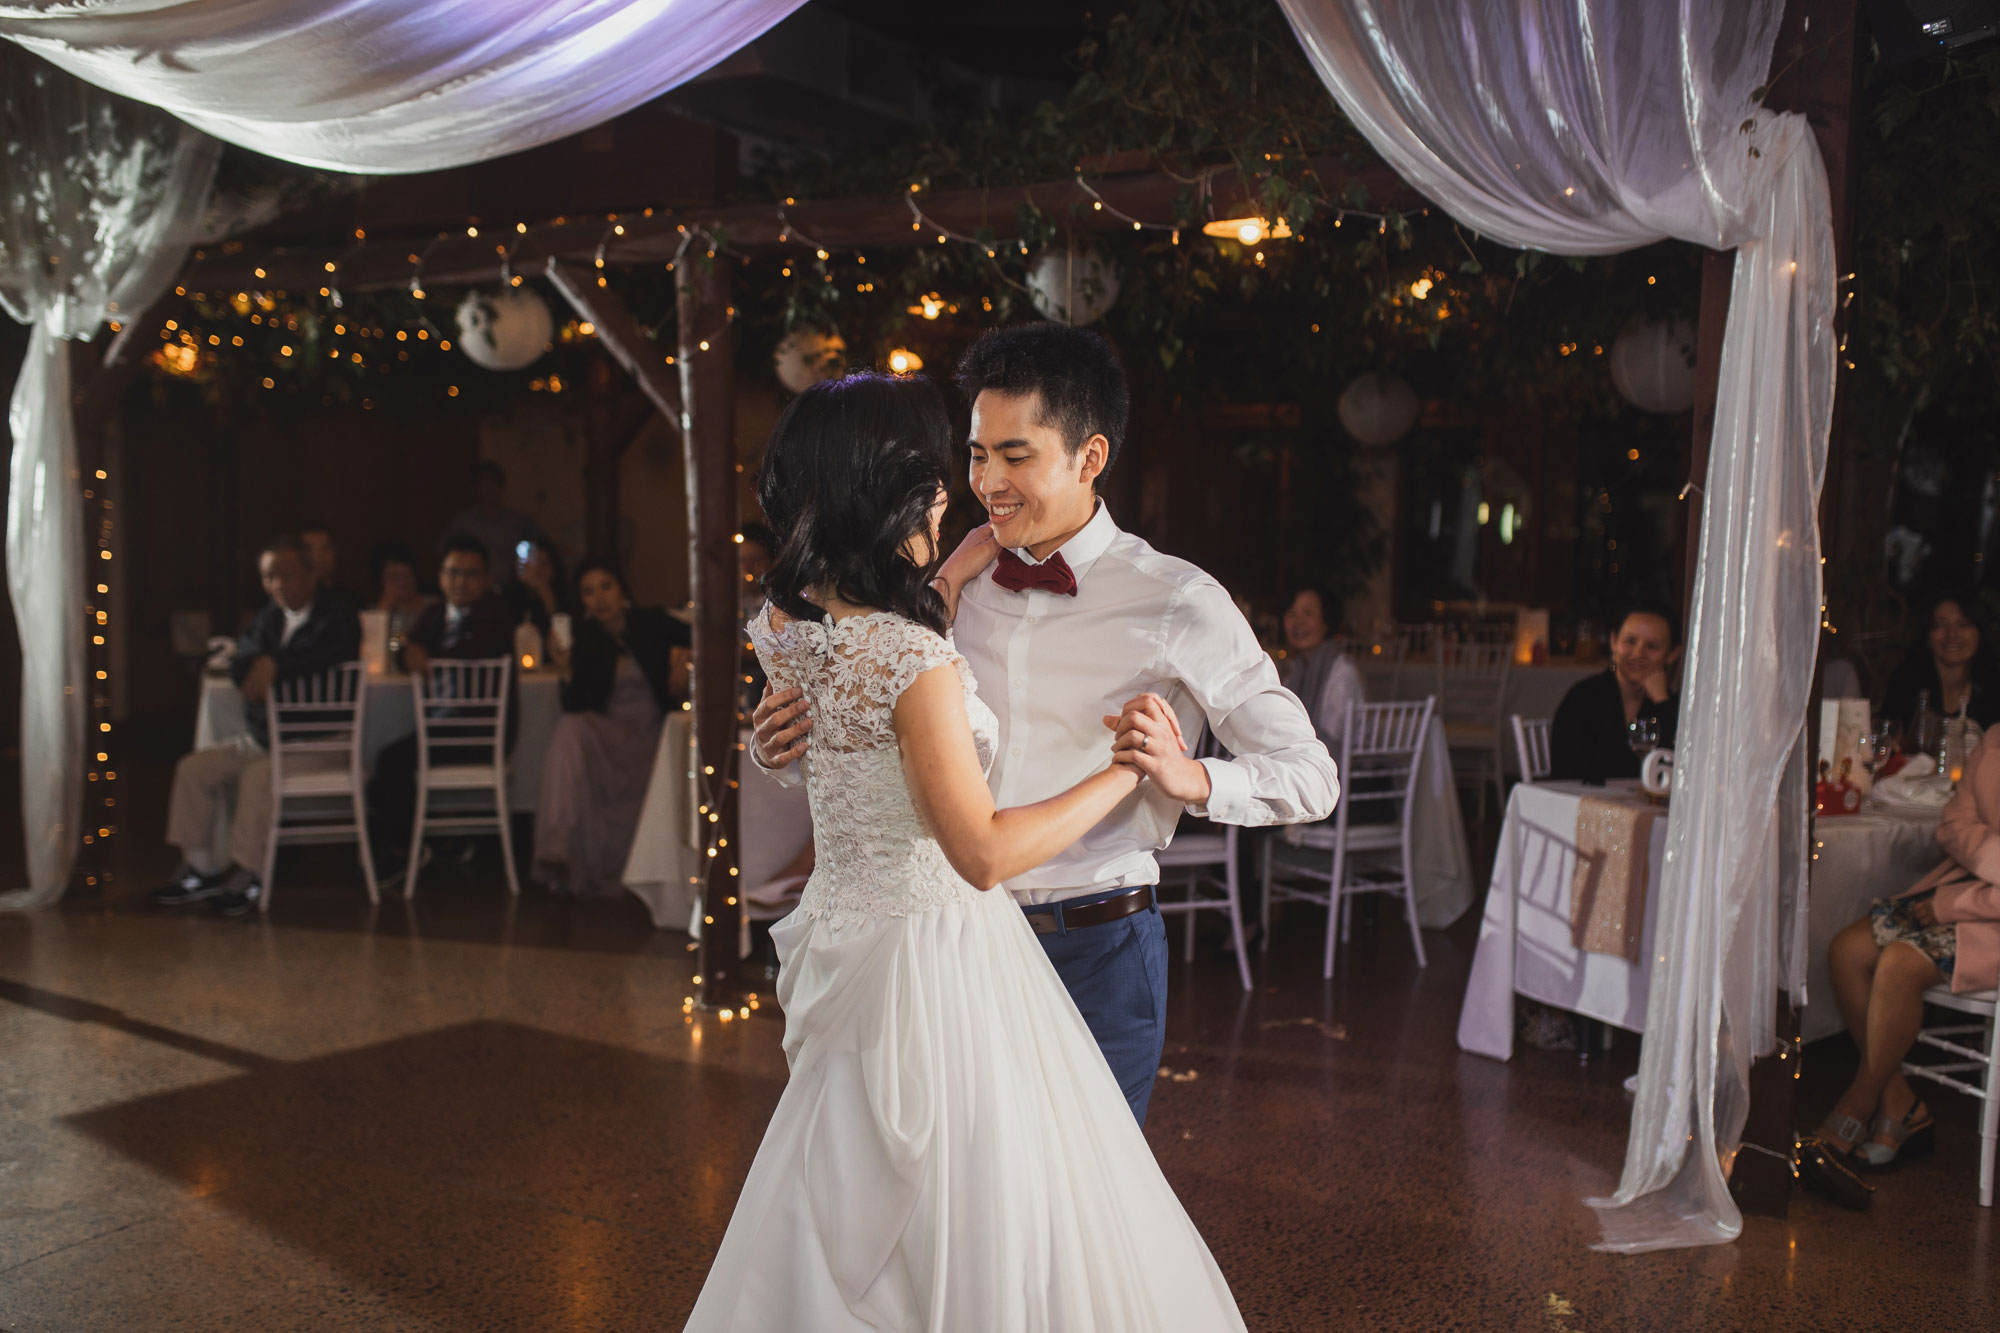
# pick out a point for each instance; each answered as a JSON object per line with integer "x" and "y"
{"x": 1052, "y": 667}
{"x": 294, "y": 621}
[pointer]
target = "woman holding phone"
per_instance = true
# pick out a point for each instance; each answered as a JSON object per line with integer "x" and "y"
{"x": 623, "y": 668}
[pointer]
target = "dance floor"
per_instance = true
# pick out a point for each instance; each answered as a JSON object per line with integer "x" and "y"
{"x": 471, "y": 1115}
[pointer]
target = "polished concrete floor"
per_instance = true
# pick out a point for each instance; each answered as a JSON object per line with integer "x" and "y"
{"x": 473, "y": 1115}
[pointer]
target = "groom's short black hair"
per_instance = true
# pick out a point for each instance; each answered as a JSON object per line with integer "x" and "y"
{"x": 1077, "y": 374}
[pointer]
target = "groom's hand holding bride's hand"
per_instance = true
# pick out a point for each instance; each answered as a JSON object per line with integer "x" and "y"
{"x": 779, "y": 727}
{"x": 1147, "y": 736}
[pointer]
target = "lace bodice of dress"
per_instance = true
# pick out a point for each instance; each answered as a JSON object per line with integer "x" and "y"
{"x": 875, "y": 857}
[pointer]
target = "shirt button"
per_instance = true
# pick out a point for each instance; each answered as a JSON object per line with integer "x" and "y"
{"x": 1034, "y": 620}
{"x": 1016, "y": 752}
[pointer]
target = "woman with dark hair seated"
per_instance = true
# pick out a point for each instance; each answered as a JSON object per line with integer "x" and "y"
{"x": 620, "y": 678}
{"x": 1952, "y": 665}
{"x": 538, "y": 589}
{"x": 397, "y": 588}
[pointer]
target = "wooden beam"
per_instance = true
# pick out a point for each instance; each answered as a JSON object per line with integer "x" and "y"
{"x": 708, "y": 394}
{"x": 620, "y": 335}
{"x": 479, "y": 255}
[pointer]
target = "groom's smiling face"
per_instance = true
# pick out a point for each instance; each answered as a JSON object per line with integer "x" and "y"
{"x": 1037, "y": 492}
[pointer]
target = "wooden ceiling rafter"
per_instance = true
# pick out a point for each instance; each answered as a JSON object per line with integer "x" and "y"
{"x": 483, "y": 254}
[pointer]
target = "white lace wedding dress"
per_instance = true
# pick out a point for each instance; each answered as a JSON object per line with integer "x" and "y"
{"x": 952, "y": 1153}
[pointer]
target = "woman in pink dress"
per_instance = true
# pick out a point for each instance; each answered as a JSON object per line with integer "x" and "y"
{"x": 620, "y": 678}
{"x": 1943, "y": 931}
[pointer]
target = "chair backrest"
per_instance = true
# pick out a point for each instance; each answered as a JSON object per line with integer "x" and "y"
{"x": 1531, "y": 747}
{"x": 1472, "y": 679}
{"x": 1381, "y": 752}
{"x": 461, "y": 705}
{"x": 1409, "y": 648}
{"x": 320, "y": 714}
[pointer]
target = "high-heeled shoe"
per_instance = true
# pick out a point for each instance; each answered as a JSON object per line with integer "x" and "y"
{"x": 1822, "y": 1168}
{"x": 1910, "y": 1141}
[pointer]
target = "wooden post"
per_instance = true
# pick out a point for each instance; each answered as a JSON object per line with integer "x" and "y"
{"x": 609, "y": 428}
{"x": 708, "y": 397}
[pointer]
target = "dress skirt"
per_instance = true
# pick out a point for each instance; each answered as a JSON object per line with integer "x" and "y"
{"x": 952, "y": 1153}
{"x": 594, "y": 780}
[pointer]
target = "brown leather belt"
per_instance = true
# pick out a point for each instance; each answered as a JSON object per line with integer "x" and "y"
{"x": 1060, "y": 918}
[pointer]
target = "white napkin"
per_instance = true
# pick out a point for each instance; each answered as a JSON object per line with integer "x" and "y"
{"x": 1918, "y": 784}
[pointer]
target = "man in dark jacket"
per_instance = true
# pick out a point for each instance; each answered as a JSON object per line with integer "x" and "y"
{"x": 303, "y": 630}
{"x": 472, "y": 622}
{"x": 1589, "y": 738}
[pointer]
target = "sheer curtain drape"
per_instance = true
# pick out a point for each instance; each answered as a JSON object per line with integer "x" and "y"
{"x": 98, "y": 198}
{"x": 1592, "y": 126}
{"x": 384, "y": 86}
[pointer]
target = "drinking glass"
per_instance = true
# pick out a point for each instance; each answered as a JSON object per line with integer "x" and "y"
{"x": 1643, "y": 735}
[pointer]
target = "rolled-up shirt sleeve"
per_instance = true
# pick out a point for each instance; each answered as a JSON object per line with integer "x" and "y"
{"x": 1280, "y": 772}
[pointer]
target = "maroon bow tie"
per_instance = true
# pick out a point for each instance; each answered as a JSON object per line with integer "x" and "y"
{"x": 1052, "y": 575}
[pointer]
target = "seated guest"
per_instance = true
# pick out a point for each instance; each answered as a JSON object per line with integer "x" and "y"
{"x": 472, "y": 622}
{"x": 324, "y": 558}
{"x": 394, "y": 566}
{"x": 302, "y": 631}
{"x": 1589, "y": 739}
{"x": 1953, "y": 666}
{"x": 1317, "y": 668}
{"x": 619, "y": 680}
{"x": 538, "y": 582}
{"x": 1944, "y": 930}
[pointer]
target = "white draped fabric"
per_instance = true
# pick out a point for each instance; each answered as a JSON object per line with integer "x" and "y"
{"x": 99, "y": 197}
{"x": 386, "y": 86}
{"x": 1593, "y": 126}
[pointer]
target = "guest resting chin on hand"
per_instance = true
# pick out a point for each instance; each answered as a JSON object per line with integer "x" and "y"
{"x": 1589, "y": 738}
{"x": 625, "y": 671}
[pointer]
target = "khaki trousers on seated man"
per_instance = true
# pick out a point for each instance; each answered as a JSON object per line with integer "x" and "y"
{"x": 206, "y": 783}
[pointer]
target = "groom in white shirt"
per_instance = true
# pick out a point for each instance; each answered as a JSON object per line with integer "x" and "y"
{"x": 1078, "y": 627}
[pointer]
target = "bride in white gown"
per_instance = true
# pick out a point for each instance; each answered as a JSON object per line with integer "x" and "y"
{"x": 952, "y": 1153}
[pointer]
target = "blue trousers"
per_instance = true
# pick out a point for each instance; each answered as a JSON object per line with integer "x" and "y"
{"x": 1117, "y": 974}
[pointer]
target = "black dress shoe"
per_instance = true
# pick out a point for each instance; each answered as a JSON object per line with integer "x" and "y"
{"x": 241, "y": 902}
{"x": 1823, "y": 1169}
{"x": 190, "y": 886}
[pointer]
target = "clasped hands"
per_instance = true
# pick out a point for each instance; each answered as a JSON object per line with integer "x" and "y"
{"x": 1145, "y": 735}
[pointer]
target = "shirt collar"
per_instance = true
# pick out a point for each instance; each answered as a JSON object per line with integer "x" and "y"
{"x": 298, "y": 617}
{"x": 1080, "y": 552}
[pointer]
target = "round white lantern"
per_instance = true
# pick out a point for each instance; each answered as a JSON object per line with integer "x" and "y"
{"x": 807, "y": 356}
{"x": 1653, "y": 365}
{"x": 1073, "y": 286}
{"x": 1379, "y": 408}
{"x": 504, "y": 330}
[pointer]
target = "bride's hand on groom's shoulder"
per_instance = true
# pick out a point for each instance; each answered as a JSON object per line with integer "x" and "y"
{"x": 1147, "y": 735}
{"x": 979, "y": 549}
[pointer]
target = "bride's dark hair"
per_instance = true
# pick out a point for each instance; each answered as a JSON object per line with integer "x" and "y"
{"x": 853, "y": 468}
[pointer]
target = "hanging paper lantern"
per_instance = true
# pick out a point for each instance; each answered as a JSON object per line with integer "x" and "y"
{"x": 504, "y": 330}
{"x": 1073, "y": 286}
{"x": 1378, "y": 408}
{"x": 807, "y": 356}
{"x": 1653, "y": 365}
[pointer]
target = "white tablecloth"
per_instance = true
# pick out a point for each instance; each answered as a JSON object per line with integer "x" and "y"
{"x": 1874, "y": 854}
{"x": 773, "y": 825}
{"x": 392, "y": 716}
{"x": 1524, "y": 942}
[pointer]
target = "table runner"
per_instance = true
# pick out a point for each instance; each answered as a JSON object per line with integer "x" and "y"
{"x": 1608, "y": 887}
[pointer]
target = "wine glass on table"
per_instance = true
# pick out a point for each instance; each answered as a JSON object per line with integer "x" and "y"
{"x": 1643, "y": 735}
